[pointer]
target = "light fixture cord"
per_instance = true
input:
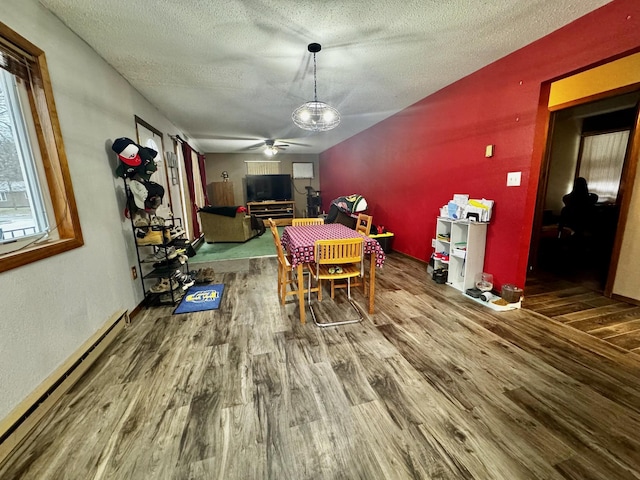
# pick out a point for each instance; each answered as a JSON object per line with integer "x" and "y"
{"x": 315, "y": 81}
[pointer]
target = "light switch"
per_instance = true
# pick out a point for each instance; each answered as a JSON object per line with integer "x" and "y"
{"x": 488, "y": 151}
{"x": 513, "y": 179}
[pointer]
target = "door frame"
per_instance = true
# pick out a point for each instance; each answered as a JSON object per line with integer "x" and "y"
{"x": 547, "y": 118}
{"x": 161, "y": 154}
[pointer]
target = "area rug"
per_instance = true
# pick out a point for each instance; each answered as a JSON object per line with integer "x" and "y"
{"x": 201, "y": 297}
{"x": 261, "y": 246}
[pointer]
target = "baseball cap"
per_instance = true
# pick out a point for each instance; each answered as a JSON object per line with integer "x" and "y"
{"x": 155, "y": 193}
{"x": 139, "y": 192}
{"x": 128, "y": 151}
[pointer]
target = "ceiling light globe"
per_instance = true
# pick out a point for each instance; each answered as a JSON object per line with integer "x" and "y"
{"x": 316, "y": 117}
{"x": 304, "y": 115}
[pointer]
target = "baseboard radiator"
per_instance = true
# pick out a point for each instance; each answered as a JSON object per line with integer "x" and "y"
{"x": 17, "y": 425}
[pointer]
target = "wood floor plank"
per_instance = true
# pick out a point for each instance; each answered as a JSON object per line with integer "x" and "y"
{"x": 577, "y": 431}
{"x": 628, "y": 340}
{"x": 584, "y": 467}
{"x": 346, "y": 366}
{"x": 432, "y": 385}
{"x": 616, "y": 329}
{"x": 554, "y": 294}
{"x": 561, "y": 311}
{"x": 609, "y": 319}
{"x": 537, "y": 302}
{"x": 595, "y": 312}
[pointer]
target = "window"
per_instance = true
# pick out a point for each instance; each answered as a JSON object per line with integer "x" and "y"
{"x": 256, "y": 167}
{"x": 38, "y": 219}
{"x": 601, "y": 161}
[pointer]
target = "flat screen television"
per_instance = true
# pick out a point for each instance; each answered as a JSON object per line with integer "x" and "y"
{"x": 268, "y": 187}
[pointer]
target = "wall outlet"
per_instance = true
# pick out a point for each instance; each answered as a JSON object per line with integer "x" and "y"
{"x": 134, "y": 273}
{"x": 513, "y": 179}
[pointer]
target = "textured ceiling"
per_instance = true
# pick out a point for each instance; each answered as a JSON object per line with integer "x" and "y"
{"x": 230, "y": 72}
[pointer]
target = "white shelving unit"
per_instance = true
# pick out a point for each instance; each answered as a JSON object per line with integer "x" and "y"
{"x": 464, "y": 243}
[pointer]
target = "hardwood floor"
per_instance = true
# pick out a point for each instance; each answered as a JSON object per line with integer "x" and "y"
{"x": 582, "y": 306}
{"x": 432, "y": 385}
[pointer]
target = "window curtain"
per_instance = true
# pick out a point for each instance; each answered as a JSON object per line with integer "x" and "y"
{"x": 194, "y": 165}
{"x": 197, "y": 186}
{"x": 263, "y": 168}
{"x": 601, "y": 163}
{"x": 187, "y": 152}
{"x": 203, "y": 178}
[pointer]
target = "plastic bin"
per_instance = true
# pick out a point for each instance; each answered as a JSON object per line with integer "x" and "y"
{"x": 385, "y": 240}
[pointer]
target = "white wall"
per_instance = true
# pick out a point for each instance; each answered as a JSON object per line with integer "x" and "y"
{"x": 626, "y": 282}
{"x": 564, "y": 158}
{"x": 49, "y": 308}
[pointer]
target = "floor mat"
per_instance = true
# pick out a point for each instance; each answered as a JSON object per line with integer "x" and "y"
{"x": 200, "y": 298}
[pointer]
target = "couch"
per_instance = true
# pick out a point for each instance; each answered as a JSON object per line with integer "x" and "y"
{"x": 223, "y": 228}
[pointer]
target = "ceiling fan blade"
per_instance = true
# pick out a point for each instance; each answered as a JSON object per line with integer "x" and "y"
{"x": 224, "y": 137}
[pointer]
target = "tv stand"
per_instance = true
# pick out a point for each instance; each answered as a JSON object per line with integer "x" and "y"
{"x": 281, "y": 211}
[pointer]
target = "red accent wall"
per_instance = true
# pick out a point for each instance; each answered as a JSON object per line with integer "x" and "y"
{"x": 411, "y": 164}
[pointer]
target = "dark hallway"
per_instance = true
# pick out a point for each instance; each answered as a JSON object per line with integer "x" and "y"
{"x": 588, "y": 141}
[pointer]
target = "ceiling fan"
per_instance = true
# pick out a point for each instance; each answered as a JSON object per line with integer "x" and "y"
{"x": 272, "y": 147}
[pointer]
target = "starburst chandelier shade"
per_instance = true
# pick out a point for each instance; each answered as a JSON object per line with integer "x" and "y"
{"x": 315, "y": 116}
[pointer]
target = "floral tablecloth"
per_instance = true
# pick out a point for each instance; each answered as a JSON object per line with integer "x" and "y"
{"x": 299, "y": 241}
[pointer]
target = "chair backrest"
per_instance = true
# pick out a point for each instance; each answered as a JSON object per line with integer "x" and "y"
{"x": 296, "y": 222}
{"x": 344, "y": 250}
{"x": 363, "y": 224}
{"x": 276, "y": 240}
{"x": 274, "y": 230}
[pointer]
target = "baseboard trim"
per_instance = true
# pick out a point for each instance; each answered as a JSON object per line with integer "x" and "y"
{"x": 411, "y": 257}
{"x": 622, "y": 298}
{"x": 24, "y": 418}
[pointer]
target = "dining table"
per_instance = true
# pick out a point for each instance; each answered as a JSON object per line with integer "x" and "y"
{"x": 299, "y": 242}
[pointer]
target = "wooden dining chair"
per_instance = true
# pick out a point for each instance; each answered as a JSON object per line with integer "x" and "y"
{"x": 335, "y": 260}
{"x": 286, "y": 277}
{"x": 363, "y": 223}
{"x": 296, "y": 222}
{"x": 285, "y": 271}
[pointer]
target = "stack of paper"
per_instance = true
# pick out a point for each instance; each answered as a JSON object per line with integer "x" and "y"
{"x": 463, "y": 208}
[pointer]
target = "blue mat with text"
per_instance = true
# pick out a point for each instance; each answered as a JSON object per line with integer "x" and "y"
{"x": 201, "y": 297}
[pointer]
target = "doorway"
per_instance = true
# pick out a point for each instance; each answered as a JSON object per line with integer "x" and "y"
{"x": 590, "y": 140}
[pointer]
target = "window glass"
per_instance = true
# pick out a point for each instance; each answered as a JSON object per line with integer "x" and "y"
{"x": 38, "y": 214}
{"x": 24, "y": 213}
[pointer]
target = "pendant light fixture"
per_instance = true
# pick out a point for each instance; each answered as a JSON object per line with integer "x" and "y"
{"x": 315, "y": 116}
